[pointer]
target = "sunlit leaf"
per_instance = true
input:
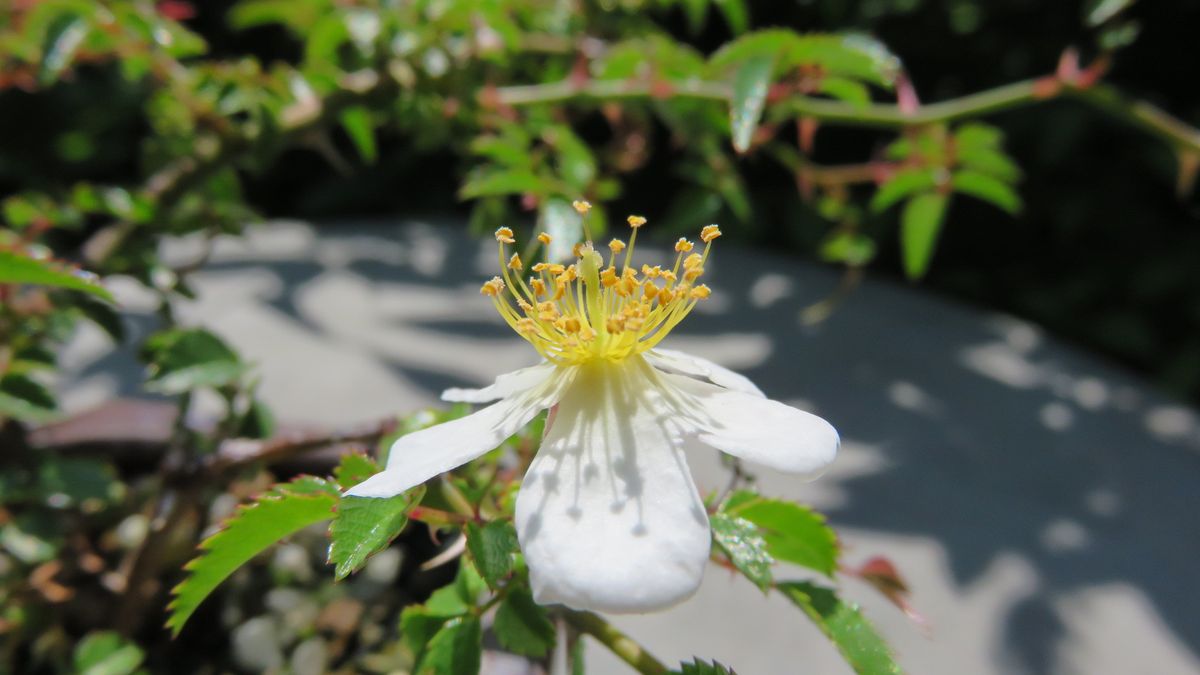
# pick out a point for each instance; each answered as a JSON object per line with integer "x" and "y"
{"x": 987, "y": 188}
{"x": 750, "y": 84}
{"x": 280, "y": 513}
{"x": 25, "y": 399}
{"x": 793, "y": 533}
{"x": 486, "y": 183}
{"x": 845, "y": 626}
{"x": 63, "y": 38}
{"x": 363, "y": 526}
{"x": 901, "y": 185}
{"x": 356, "y": 120}
{"x": 845, "y": 89}
{"x": 107, "y": 653}
{"x": 747, "y": 550}
{"x": 19, "y": 269}
{"x": 181, "y": 360}
{"x": 919, "y": 227}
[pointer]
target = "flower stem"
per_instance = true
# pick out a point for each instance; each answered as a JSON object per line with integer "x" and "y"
{"x": 617, "y": 642}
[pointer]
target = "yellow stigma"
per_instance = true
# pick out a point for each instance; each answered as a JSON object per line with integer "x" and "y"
{"x": 596, "y": 309}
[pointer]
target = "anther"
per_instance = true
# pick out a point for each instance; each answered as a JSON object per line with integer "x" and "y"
{"x": 700, "y": 292}
{"x": 514, "y": 263}
{"x": 709, "y": 233}
{"x": 581, "y": 206}
{"x": 538, "y": 286}
{"x": 616, "y": 246}
{"x": 544, "y": 238}
{"x": 504, "y": 235}
{"x": 683, "y": 245}
{"x": 636, "y": 221}
{"x": 693, "y": 260}
{"x": 492, "y": 288}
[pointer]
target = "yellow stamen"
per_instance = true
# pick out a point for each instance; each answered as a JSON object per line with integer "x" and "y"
{"x": 636, "y": 221}
{"x": 504, "y": 235}
{"x": 709, "y": 233}
{"x": 544, "y": 238}
{"x": 514, "y": 263}
{"x": 683, "y": 245}
{"x": 581, "y": 207}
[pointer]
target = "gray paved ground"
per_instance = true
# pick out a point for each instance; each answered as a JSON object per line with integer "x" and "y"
{"x": 1043, "y": 506}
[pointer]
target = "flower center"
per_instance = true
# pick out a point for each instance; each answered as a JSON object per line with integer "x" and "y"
{"x": 591, "y": 310}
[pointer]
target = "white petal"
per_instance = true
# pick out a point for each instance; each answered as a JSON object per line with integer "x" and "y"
{"x": 758, "y": 429}
{"x": 608, "y": 516}
{"x": 419, "y": 456}
{"x": 673, "y": 361}
{"x": 505, "y": 385}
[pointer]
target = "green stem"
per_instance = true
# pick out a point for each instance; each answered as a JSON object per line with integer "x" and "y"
{"x": 617, "y": 642}
{"x": 1150, "y": 118}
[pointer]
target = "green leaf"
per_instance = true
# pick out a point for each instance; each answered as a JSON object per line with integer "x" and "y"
{"x": 257, "y": 422}
{"x": 576, "y": 658}
{"x": 698, "y": 667}
{"x": 298, "y": 16}
{"x": 492, "y": 546}
{"x": 990, "y": 161}
{"x": 456, "y": 649}
{"x": 283, "y": 511}
{"x": 750, "y": 84}
{"x": 736, "y": 14}
{"x": 919, "y": 227}
{"x": 19, "y": 269}
{"x": 747, "y": 550}
{"x": 353, "y": 469}
{"x": 793, "y": 533}
{"x": 356, "y": 120}
{"x": 522, "y": 626}
{"x": 63, "y": 38}
{"x": 70, "y": 482}
{"x": 25, "y": 399}
{"x": 845, "y": 89}
{"x": 849, "y": 630}
{"x": 987, "y": 188}
{"x": 364, "y": 526}
{"x": 107, "y": 653}
{"x": 902, "y": 184}
{"x": 181, "y": 360}
{"x": 1099, "y": 11}
{"x": 417, "y": 628}
{"x": 976, "y": 135}
{"x": 489, "y": 183}
{"x": 32, "y": 537}
{"x": 851, "y": 248}
{"x": 458, "y": 597}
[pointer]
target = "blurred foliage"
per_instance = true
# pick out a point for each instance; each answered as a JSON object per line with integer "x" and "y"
{"x": 126, "y": 122}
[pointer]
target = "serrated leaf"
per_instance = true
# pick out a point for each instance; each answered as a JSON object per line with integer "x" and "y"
{"x": 793, "y": 533}
{"x": 750, "y": 84}
{"x": 456, "y": 649}
{"x": 363, "y": 526}
{"x": 747, "y": 550}
{"x": 851, "y": 633}
{"x": 353, "y": 469}
{"x": 19, "y": 269}
{"x": 107, "y": 653}
{"x": 492, "y": 547}
{"x": 254, "y": 528}
{"x": 698, "y": 667}
{"x": 356, "y": 120}
{"x": 987, "y": 188}
{"x": 902, "y": 184}
{"x": 919, "y": 227}
{"x": 522, "y": 626}
{"x": 25, "y": 399}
